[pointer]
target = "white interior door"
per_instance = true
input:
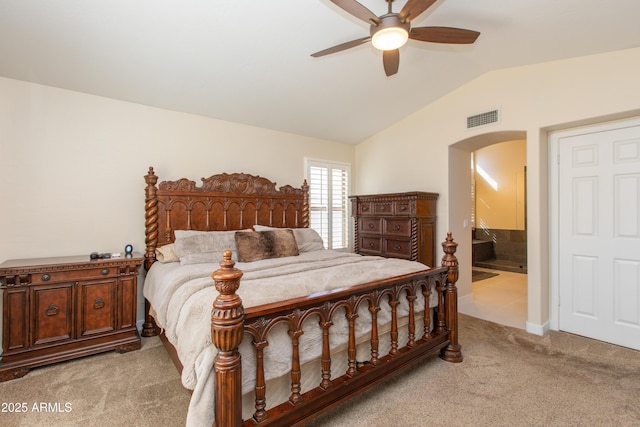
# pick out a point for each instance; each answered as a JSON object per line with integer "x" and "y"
{"x": 599, "y": 233}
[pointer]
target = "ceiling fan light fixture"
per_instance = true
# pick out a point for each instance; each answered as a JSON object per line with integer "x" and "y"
{"x": 390, "y": 38}
{"x": 391, "y": 33}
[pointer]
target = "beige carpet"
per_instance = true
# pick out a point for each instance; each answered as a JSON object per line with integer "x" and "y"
{"x": 508, "y": 378}
{"x": 139, "y": 388}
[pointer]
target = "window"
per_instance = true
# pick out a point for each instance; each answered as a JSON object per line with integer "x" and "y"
{"x": 329, "y": 202}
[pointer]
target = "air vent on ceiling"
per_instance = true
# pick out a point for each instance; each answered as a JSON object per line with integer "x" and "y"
{"x": 483, "y": 119}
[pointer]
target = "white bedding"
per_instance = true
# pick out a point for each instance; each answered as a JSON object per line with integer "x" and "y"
{"x": 182, "y": 297}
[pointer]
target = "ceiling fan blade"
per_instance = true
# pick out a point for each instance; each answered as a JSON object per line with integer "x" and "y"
{"x": 341, "y": 47}
{"x": 443, "y": 35}
{"x": 413, "y": 8}
{"x": 391, "y": 61}
{"x": 357, "y": 10}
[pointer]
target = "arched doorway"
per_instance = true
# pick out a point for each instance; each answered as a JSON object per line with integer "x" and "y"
{"x": 501, "y": 298}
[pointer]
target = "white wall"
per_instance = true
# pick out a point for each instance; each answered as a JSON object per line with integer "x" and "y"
{"x": 72, "y": 165}
{"x": 415, "y": 154}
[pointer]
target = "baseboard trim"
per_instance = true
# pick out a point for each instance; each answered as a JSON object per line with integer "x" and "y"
{"x": 537, "y": 329}
{"x": 465, "y": 298}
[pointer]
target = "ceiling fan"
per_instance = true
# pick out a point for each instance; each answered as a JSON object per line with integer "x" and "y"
{"x": 391, "y": 31}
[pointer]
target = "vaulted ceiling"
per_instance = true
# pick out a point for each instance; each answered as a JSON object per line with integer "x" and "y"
{"x": 248, "y": 61}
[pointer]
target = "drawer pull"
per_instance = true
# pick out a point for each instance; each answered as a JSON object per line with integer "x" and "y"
{"x": 403, "y": 208}
{"x": 52, "y": 310}
{"x": 365, "y": 208}
{"x": 398, "y": 247}
{"x": 104, "y": 271}
{"x": 370, "y": 244}
{"x": 98, "y": 304}
{"x": 397, "y": 227}
{"x": 382, "y": 208}
{"x": 371, "y": 225}
{"x": 45, "y": 277}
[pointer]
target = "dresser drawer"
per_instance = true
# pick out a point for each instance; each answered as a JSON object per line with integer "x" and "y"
{"x": 364, "y": 208}
{"x": 397, "y": 248}
{"x": 370, "y": 225}
{"x": 370, "y": 245}
{"x": 383, "y": 208}
{"x": 72, "y": 275}
{"x": 397, "y": 227}
{"x": 404, "y": 208}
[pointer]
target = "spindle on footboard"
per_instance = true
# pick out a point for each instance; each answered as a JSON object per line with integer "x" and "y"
{"x": 230, "y": 320}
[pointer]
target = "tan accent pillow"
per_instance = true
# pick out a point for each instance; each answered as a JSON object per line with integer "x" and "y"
{"x": 257, "y": 245}
{"x": 167, "y": 253}
{"x": 307, "y": 239}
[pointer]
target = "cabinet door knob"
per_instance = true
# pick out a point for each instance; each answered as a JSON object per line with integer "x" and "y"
{"x": 45, "y": 277}
{"x": 370, "y": 244}
{"x": 397, "y": 227}
{"x": 371, "y": 225}
{"x": 403, "y": 208}
{"x": 98, "y": 304}
{"x": 104, "y": 271}
{"x": 52, "y": 310}
{"x": 398, "y": 247}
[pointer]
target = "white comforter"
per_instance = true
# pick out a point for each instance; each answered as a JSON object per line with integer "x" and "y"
{"x": 182, "y": 297}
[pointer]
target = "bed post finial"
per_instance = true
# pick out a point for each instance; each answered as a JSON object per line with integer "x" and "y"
{"x": 305, "y": 204}
{"x": 227, "y": 329}
{"x": 449, "y": 259}
{"x": 452, "y": 352}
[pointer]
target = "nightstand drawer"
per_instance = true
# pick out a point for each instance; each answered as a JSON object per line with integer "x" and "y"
{"x": 68, "y": 275}
{"x": 97, "y": 308}
{"x": 52, "y": 314}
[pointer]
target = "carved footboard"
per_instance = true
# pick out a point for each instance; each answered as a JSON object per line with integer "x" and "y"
{"x": 230, "y": 321}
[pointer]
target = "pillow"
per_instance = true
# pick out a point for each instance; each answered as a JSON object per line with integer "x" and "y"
{"x": 167, "y": 253}
{"x": 266, "y": 228}
{"x": 259, "y": 245}
{"x": 307, "y": 239}
{"x": 194, "y": 247}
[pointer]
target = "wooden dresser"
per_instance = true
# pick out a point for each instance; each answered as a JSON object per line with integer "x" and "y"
{"x": 61, "y": 308}
{"x": 398, "y": 225}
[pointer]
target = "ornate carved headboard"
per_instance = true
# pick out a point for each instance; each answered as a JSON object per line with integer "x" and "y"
{"x": 223, "y": 202}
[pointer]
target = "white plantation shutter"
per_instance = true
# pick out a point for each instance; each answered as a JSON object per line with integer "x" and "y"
{"x": 329, "y": 202}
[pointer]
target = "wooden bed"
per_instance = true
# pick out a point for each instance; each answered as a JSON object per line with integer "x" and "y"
{"x": 240, "y": 201}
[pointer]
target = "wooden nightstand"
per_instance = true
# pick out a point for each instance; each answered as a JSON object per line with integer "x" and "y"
{"x": 61, "y": 308}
